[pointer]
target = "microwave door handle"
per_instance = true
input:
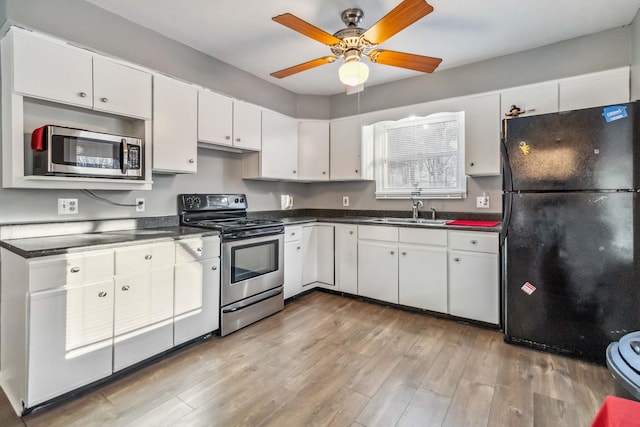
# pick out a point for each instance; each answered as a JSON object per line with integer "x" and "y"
{"x": 124, "y": 156}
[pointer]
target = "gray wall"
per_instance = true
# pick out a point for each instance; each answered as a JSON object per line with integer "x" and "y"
{"x": 88, "y": 25}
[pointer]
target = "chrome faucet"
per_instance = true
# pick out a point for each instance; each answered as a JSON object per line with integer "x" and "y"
{"x": 433, "y": 213}
{"x": 416, "y": 205}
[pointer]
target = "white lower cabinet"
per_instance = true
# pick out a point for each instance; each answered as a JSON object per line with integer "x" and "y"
{"x": 292, "y": 261}
{"x": 70, "y": 336}
{"x": 378, "y": 270}
{"x": 474, "y": 287}
{"x": 196, "y": 288}
{"x": 346, "y": 258}
{"x": 422, "y": 273}
{"x": 317, "y": 255}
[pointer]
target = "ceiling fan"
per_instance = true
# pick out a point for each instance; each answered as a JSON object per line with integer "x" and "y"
{"x": 353, "y": 42}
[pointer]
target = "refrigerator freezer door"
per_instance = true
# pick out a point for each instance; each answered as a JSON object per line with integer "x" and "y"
{"x": 570, "y": 283}
{"x": 574, "y": 150}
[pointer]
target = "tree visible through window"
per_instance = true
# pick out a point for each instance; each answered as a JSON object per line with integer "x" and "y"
{"x": 421, "y": 157}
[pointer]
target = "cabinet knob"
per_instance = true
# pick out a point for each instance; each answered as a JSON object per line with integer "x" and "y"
{"x": 148, "y": 257}
{"x": 351, "y": 232}
{"x": 294, "y": 171}
{"x": 199, "y": 249}
{"x": 404, "y": 252}
{"x": 237, "y": 139}
{"x": 356, "y": 170}
{"x": 474, "y": 242}
{"x": 83, "y": 94}
{"x": 324, "y": 172}
{"x": 298, "y": 247}
{"x": 456, "y": 259}
{"x": 472, "y": 164}
{"x": 227, "y": 137}
{"x": 392, "y": 252}
{"x": 125, "y": 288}
{"x": 214, "y": 268}
{"x": 75, "y": 269}
{"x": 191, "y": 161}
{"x": 293, "y": 233}
{"x": 104, "y": 99}
{"x": 102, "y": 294}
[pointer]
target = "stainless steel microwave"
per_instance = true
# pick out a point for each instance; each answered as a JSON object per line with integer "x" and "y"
{"x": 60, "y": 150}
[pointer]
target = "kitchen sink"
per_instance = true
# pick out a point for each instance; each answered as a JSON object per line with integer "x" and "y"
{"x": 418, "y": 221}
{"x": 141, "y": 232}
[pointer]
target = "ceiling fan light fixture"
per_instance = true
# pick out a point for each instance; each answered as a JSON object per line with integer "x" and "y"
{"x": 353, "y": 73}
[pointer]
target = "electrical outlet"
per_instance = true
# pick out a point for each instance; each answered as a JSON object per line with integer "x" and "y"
{"x": 68, "y": 206}
{"x": 482, "y": 202}
{"x": 345, "y": 200}
{"x": 140, "y": 204}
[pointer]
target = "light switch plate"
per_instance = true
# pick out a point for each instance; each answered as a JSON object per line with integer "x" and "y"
{"x": 345, "y": 200}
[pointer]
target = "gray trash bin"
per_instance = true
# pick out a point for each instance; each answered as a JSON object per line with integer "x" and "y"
{"x": 623, "y": 361}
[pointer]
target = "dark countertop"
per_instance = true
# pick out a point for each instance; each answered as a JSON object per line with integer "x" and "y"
{"x": 368, "y": 221}
{"x": 72, "y": 243}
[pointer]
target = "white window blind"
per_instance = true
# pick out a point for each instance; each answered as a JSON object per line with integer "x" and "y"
{"x": 421, "y": 157}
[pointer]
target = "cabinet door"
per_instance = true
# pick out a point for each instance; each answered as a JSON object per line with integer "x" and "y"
{"x": 313, "y": 150}
{"x": 279, "y": 155}
{"x": 593, "y": 90}
{"x": 534, "y": 99}
{"x": 346, "y": 258}
{"x": 121, "y": 90}
{"x": 345, "y": 146}
{"x": 197, "y": 299}
{"x": 247, "y": 128}
{"x": 70, "y": 339}
{"x": 175, "y": 126}
{"x": 309, "y": 255}
{"x": 51, "y": 71}
{"x": 422, "y": 277}
{"x": 215, "y": 118}
{"x": 482, "y": 136}
{"x": 378, "y": 270}
{"x": 474, "y": 286}
{"x": 325, "y": 254}
{"x": 292, "y": 268}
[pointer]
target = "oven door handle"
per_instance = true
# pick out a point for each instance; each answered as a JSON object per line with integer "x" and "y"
{"x": 124, "y": 156}
{"x": 252, "y": 300}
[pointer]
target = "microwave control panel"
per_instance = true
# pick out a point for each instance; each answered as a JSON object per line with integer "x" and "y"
{"x": 133, "y": 162}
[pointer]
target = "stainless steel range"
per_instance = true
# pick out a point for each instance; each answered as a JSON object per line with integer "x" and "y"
{"x": 252, "y": 256}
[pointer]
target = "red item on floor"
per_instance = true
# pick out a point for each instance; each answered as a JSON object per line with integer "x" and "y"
{"x": 618, "y": 412}
{"x": 470, "y": 223}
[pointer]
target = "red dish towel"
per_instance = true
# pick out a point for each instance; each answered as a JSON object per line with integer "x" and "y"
{"x": 617, "y": 412}
{"x": 470, "y": 223}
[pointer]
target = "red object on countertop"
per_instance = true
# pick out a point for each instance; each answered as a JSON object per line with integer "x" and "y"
{"x": 470, "y": 223}
{"x": 617, "y": 412}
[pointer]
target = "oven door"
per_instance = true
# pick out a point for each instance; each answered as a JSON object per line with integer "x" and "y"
{"x": 251, "y": 266}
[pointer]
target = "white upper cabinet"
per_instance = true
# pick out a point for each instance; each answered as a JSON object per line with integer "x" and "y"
{"x": 49, "y": 70}
{"x": 175, "y": 126}
{"x": 482, "y": 135}
{"x": 215, "y": 118}
{"x": 313, "y": 150}
{"x": 534, "y": 99}
{"x": 247, "y": 130}
{"x": 345, "y": 145}
{"x": 593, "y": 90}
{"x": 121, "y": 90}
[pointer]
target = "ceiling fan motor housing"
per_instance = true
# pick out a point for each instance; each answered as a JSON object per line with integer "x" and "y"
{"x": 352, "y": 17}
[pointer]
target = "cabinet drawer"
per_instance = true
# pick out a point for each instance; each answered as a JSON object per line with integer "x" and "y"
{"x": 422, "y": 236}
{"x": 474, "y": 242}
{"x": 63, "y": 270}
{"x": 373, "y": 232}
{"x": 189, "y": 250}
{"x": 293, "y": 233}
{"x": 141, "y": 258}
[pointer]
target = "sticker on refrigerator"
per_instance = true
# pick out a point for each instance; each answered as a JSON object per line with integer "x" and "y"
{"x": 528, "y": 288}
{"x": 524, "y": 147}
{"x": 615, "y": 112}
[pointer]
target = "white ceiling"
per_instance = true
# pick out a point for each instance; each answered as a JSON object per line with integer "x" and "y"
{"x": 241, "y": 32}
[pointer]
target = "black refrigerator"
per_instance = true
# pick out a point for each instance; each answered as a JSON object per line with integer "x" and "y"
{"x": 571, "y": 229}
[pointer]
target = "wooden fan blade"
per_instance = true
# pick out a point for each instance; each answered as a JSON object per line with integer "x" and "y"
{"x": 303, "y": 67}
{"x": 405, "y": 14}
{"x": 304, "y": 28}
{"x": 426, "y": 64}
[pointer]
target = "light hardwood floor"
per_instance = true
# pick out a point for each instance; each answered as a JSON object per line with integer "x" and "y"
{"x": 331, "y": 360}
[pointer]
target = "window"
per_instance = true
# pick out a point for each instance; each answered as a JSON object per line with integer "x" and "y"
{"x": 420, "y": 157}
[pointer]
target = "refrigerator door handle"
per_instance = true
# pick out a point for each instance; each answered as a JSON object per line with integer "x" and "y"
{"x": 507, "y": 202}
{"x": 507, "y": 179}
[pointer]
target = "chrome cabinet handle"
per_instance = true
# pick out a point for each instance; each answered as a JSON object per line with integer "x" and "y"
{"x": 148, "y": 257}
{"x": 324, "y": 172}
{"x": 356, "y": 170}
{"x": 83, "y": 94}
{"x": 102, "y": 294}
{"x": 227, "y": 137}
{"x": 474, "y": 242}
{"x": 199, "y": 249}
{"x": 104, "y": 99}
{"x": 237, "y": 139}
{"x": 125, "y": 287}
{"x": 392, "y": 252}
{"x": 404, "y": 252}
{"x": 472, "y": 164}
{"x": 351, "y": 232}
{"x": 298, "y": 247}
{"x": 293, "y": 233}
{"x": 214, "y": 268}
{"x": 294, "y": 171}
{"x": 191, "y": 161}
{"x": 456, "y": 259}
{"x": 75, "y": 269}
